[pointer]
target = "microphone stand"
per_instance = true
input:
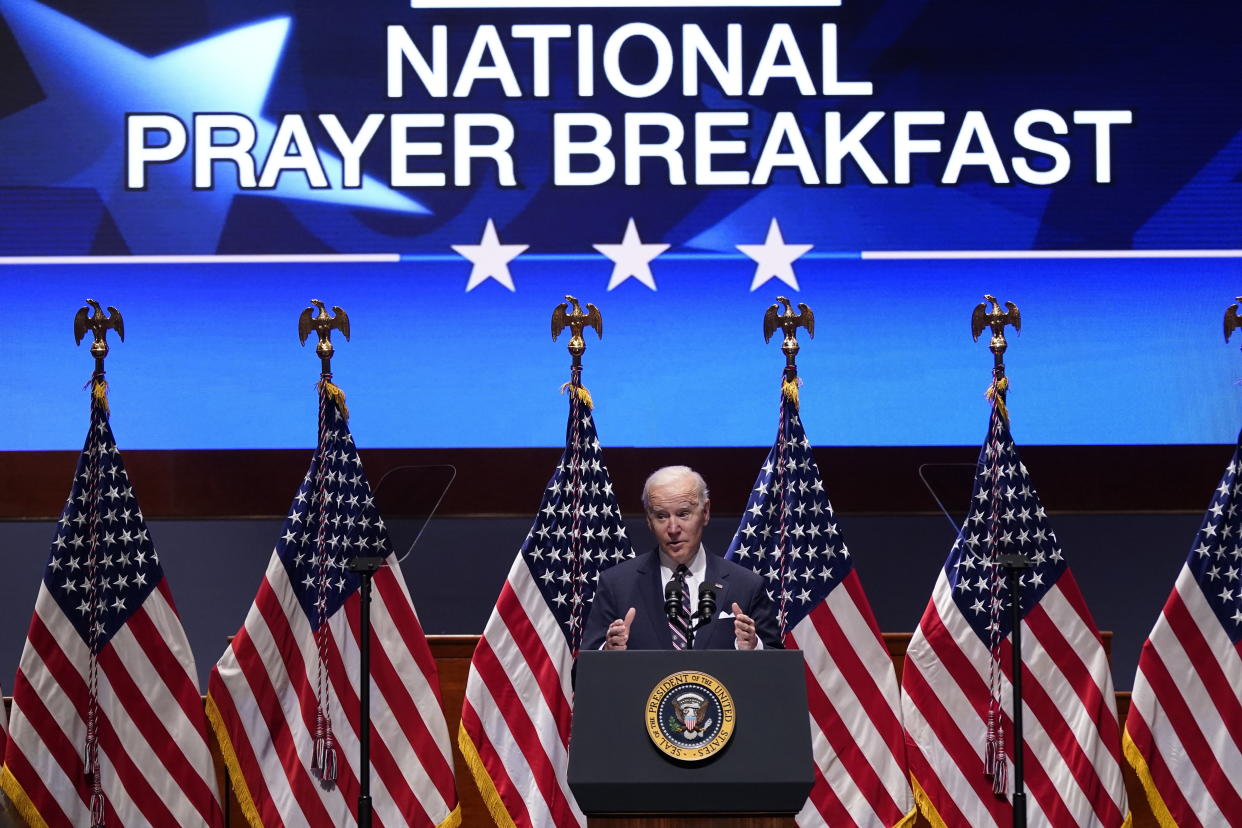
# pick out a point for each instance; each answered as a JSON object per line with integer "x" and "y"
{"x": 365, "y": 568}
{"x": 1012, "y": 565}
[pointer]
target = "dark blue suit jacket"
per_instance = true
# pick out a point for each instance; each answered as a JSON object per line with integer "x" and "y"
{"x": 636, "y": 583}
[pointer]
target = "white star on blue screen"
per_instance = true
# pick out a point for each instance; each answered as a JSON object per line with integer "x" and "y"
{"x": 75, "y": 136}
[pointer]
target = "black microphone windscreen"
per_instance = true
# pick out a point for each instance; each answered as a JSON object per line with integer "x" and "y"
{"x": 707, "y": 601}
{"x": 672, "y": 597}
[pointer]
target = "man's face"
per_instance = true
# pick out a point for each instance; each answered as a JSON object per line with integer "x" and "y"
{"x": 676, "y": 517}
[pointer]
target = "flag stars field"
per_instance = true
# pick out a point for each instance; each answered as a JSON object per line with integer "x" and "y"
{"x": 113, "y": 610}
{"x": 822, "y": 611}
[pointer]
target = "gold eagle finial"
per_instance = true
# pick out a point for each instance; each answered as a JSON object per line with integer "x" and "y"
{"x": 996, "y": 319}
{"x": 789, "y": 322}
{"x": 323, "y": 324}
{"x": 98, "y": 323}
{"x": 576, "y": 320}
{"x": 1232, "y": 320}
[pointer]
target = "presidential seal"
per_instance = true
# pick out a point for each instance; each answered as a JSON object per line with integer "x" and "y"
{"x": 689, "y": 716}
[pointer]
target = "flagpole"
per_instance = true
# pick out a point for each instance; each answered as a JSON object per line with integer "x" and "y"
{"x": 577, "y": 321}
{"x": 364, "y": 567}
{"x": 94, "y": 320}
{"x": 1012, "y": 563}
{"x": 788, "y": 322}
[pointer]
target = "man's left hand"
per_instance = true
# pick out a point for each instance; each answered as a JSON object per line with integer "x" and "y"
{"x": 744, "y": 629}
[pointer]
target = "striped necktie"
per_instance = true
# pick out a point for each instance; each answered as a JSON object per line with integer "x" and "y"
{"x": 679, "y": 621}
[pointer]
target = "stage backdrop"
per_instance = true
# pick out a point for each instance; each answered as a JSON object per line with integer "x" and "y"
{"x": 446, "y": 171}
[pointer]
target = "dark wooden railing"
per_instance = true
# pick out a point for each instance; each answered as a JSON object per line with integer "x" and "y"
{"x": 452, "y": 654}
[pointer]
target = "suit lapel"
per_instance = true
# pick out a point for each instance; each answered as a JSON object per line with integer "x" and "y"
{"x": 713, "y": 636}
{"x": 650, "y": 601}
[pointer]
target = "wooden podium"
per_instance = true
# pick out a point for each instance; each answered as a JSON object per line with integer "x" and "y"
{"x": 760, "y": 778}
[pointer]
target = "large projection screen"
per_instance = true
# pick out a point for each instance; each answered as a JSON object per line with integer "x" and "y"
{"x": 448, "y": 172}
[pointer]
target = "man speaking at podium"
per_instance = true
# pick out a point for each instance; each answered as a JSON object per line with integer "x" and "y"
{"x": 677, "y": 596}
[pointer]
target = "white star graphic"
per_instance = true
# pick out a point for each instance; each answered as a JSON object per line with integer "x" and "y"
{"x": 631, "y": 258}
{"x": 93, "y": 82}
{"x": 490, "y": 258}
{"x": 774, "y": 258}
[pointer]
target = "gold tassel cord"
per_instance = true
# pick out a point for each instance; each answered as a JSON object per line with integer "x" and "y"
{"x": 996, "y": 395}
{"x": 334, "y": 393}
{"x": 579, "y": 391}
{"x": 789, "y": 389}
{"x": 99, "y": 391}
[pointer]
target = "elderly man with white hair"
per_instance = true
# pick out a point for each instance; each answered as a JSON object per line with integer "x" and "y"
{"x": 629, "y": 610}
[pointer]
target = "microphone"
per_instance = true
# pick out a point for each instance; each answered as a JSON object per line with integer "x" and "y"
{"x": 672, "y": 598}
{"x": 707, "y": 603}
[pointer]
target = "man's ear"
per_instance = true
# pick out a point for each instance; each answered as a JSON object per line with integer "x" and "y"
{"x": 707, "y": 511}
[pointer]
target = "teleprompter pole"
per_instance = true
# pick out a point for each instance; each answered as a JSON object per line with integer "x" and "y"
{"x": 1015, "y": 564}
{"x": 365, "y": 568}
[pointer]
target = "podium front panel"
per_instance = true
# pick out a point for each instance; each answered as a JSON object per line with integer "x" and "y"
{"x": 766, "y": 766}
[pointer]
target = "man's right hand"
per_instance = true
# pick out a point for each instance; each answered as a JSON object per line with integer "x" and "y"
{"x": 619, "y": 632}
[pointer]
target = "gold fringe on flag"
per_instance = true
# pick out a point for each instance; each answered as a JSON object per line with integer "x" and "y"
{"x": 1158, "y": 807}
{"x": 19, "y": 801}
{"x": 908, "y": 821}
{"x": 483, "y": 780}
{"x": 244, "y": 800}
{"x": 334, "y": 393}
{"x": 579, "y": 391}
{"x": 996, "y": 395}
{"x": 924, "y": 804}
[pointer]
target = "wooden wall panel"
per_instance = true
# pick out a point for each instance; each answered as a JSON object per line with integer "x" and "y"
{"x": 862, "y": 480}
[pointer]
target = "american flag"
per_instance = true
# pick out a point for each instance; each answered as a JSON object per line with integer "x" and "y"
{"x": 957, "y": 667}
{"x": 1184, "y": 729}
{"x": 284, "y": 697}
{"x": 789, "y": 535}
{"x": 107, "y": 723}
{"x": 515, "y": 719}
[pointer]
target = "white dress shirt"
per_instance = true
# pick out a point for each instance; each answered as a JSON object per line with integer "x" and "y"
{"x": 695, "y": 576}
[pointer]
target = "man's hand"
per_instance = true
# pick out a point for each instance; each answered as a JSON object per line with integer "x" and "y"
{"x": 744, "y": 629}
{"x": 619, "y": 632}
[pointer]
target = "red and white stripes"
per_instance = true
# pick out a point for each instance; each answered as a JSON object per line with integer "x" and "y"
{"x": 262, "y": 703}
{"x": 516, "y": 715}
{"x": 1072, "y": 759}
{"x": 1184, "y": 728}
{"x": 155, "y": 764}
{"x": 854, "y": 704}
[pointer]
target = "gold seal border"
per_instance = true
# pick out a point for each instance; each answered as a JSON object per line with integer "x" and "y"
{"x": 711, "y": 684}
